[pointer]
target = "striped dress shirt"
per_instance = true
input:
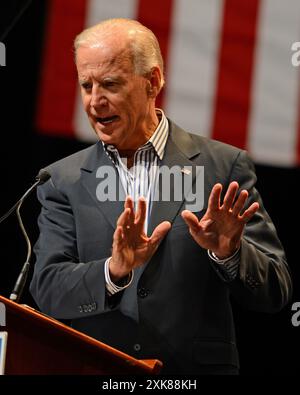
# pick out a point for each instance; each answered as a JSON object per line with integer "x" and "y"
{"x": 139, "y": 181}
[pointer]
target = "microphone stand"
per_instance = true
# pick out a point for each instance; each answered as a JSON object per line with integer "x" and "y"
{"x": 21, "y": 280}
{"x": 42, "y": 177}
{"x": 15, "y": 206}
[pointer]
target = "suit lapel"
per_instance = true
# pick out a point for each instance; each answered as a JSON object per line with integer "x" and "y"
{"x": 179, "y": 150}
{"x": 99, "y": 168}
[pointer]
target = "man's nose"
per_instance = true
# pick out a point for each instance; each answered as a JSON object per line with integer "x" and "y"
{"x": 98, "y": 98}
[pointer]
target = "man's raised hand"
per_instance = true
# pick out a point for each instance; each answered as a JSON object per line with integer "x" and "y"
{"x": 220, "y": 229}
{"x": 131, "y": 246}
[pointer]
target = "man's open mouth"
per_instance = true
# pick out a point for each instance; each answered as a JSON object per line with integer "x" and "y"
{"x": 108, "y": 120}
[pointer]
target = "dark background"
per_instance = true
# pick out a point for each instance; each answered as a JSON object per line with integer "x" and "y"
{"x": 268, "y": 344}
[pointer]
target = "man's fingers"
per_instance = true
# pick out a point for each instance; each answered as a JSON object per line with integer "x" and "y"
{"x": 129, "y": 204}
{"x": 230, "y": 195}
{"x": 124, "y": 218}
{"x": 214, "y": 197}
{"x": 132, "y": 224}
{"x": 239, "y": 204}
{"x": 248, "y": 214}
{"x": 118, "y": 236}
{"x": 141, "y": 213}
{"x": 191, "y": 220}
{"x": 159, "y": 232}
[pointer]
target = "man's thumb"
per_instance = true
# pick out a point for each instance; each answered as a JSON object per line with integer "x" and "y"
{"x": 160, "y": 232}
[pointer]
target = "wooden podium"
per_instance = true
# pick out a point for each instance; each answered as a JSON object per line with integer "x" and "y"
{"x": 40, "y": 345}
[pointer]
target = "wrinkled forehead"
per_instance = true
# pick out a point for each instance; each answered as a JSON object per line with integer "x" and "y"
{"x": 116, "y": 44}
{"x": 105, "y": 51}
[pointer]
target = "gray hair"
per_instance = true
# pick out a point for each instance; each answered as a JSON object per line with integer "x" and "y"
{"x": 143, "y": 43}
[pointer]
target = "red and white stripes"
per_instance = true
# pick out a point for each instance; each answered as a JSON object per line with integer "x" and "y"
{"x": 228, "y": 69}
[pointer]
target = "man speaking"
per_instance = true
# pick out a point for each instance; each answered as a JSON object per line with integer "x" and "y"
{"x": 141, "y": 273}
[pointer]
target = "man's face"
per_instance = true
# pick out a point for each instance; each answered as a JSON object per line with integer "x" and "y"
{"x": 114, "y": 97}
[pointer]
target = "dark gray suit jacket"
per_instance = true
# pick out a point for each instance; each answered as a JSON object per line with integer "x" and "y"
{"x": 178, "y": 307}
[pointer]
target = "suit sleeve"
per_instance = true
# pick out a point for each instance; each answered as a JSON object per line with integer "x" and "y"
{"x": 263, "y": 282}
{"x": 62, "y": 286}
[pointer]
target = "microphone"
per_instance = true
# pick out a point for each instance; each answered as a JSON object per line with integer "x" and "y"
{"x": 41, "y": 178}
{"x": 15, "y": 20}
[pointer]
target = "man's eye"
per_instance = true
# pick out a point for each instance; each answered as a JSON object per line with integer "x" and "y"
{"x": 86, "y": 86}
{"x": 111, "y": 85}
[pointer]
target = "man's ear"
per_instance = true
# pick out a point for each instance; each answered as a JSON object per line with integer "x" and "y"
{"x": 149, "y": 88}
{"x": 154, "y": 82}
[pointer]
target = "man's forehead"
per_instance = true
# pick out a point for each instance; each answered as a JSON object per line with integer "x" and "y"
{"x": 103, "y": 56}
{"x": 99, "y": 66}
{"x": 113, "y": 39}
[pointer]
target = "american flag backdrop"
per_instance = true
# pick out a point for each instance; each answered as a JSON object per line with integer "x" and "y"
{"x": 228, "y": 70}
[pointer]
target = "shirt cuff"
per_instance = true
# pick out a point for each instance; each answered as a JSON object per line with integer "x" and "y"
{"x": 214, "y": 257}
{"x": 111, "y": 287}
{"x": 227, "y": 268}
